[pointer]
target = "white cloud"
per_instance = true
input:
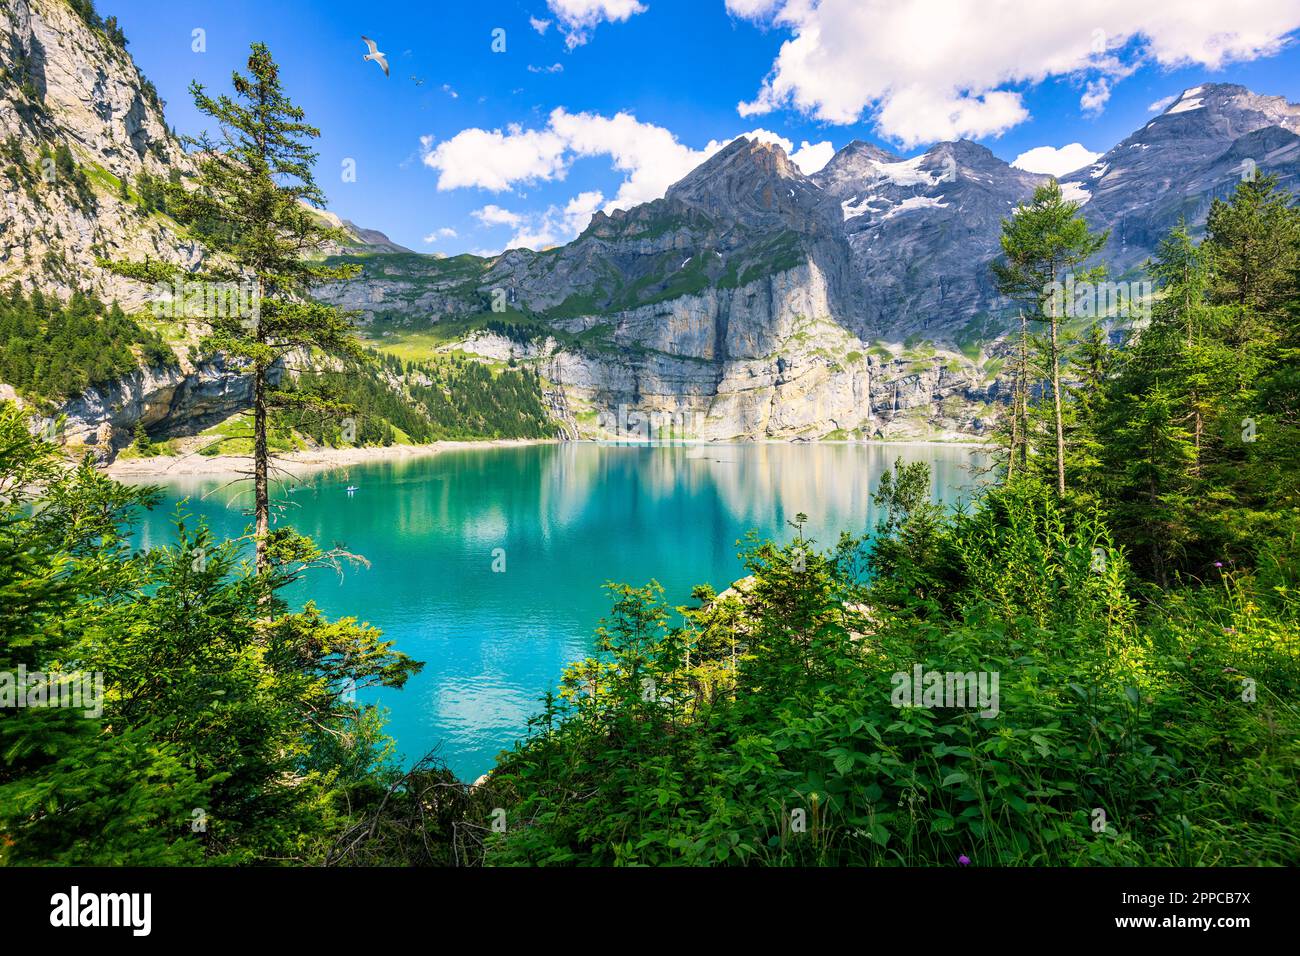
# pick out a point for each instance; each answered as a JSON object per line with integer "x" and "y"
{"x": 538, "y": 237}
{"x": 493, "y": 215}
{"x": 1055, "y": 161}
{"x": 447, "y": 88}
{"x": 446, "y": 232}
{"x": 549, "y": 228}
{"x": 810, "y": 157}
{"x": 579, "y": 17}
{"x": 1095, "y": 96}
{"x": 943, "y": 69}
{"x": 553, "y": 68}
{"x": 491, "y": 159}
{"x": 650, "y": 156}
{"x": 579, "y": 210}
{"x": 752, "y": 9}
{"x": 538, "y": 24}
{"x": 1162, "y": 104}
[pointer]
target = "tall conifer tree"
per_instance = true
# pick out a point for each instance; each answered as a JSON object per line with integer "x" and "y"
{"x": 1044, "y": 242}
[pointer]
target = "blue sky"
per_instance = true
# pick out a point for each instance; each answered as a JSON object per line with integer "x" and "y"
{"x": 484, "y": 125}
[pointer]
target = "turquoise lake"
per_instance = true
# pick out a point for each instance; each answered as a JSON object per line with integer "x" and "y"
{"x": 570, "y": 517}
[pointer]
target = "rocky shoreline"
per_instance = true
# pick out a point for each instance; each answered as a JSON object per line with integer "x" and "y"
{"x": 295, "y": 464}
{"x": 290, "y": 464}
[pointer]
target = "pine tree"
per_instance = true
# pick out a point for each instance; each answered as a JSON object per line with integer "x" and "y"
{"x": 1161, "y": 408}
{"x": 254, "y": 197}
{"x": 1093, "y": 361}
{"x": 1254, "y": 247}
{"x": 1043, "y": 242}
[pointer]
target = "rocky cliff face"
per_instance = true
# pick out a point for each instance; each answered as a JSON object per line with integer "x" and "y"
{"x": 1175, "y": 166}
{"x": 66, "y": 83}
{"x": 169, "y": 402}
{"x": 921, "y": 233}
{"x": 753, "y": 301}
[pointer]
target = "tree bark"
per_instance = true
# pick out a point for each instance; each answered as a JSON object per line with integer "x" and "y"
{"x": 1017, "y": 396}
{"x": 261, "y": 491}
{"x": 1056, "y": 401}
{"x": 1023, "y": 394}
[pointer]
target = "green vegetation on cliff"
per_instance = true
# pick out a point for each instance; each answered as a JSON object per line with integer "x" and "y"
{"x": 53, "y": 352}
{"x": 450, "y": 398}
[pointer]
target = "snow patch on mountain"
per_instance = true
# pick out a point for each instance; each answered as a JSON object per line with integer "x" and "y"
{"x": 1184, "y": 106}
{"x": 1075, "y": 192}
{"x": 907, "y": 173}
{"x": 851, "y": 210}
{"x": 913, "y": 203}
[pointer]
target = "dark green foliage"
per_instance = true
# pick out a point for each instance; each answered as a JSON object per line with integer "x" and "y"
{"x": 1254, "y": 244}
{"x": 664, "y": 751}
{"x": 53, "y": 352}
{"x": 466, "y": 399}
{"x": 456, "y": 399}
{"x": 153, "y": 192}
{"x": 1200, "y": 416}
{"x": 1043, "y": 244}
{"x": 228, "y": 731}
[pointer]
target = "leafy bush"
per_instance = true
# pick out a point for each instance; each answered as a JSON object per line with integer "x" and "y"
{"x": 228, "y": 730}
{"x": 763, "y": 727}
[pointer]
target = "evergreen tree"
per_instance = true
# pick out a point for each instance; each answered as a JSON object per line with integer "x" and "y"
{"x": 1043, "y": 242}
{"x": 211, "y": 711}
{"x": 1093, "y": 361}
{"x": 1254, "y": 247}
{"x": 254, "y": 195}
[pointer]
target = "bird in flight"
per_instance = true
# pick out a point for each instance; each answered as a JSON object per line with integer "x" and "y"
{"x": 374, "y": 54}
{"x": 416, "y": 80}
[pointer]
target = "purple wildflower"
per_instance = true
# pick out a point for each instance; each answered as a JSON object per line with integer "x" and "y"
{"x": 964, "y": 860}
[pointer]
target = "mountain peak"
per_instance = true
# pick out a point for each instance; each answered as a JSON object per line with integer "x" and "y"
{"x": 741, "y": 156}
{"x": 1229, "y": 107}
{"x": 851, "y": 164}
{"x": 1200, "y": 124}
{"x": 748, "y": 180}
{"x": 963, "y": 150}
{"x": 861, "y": 149}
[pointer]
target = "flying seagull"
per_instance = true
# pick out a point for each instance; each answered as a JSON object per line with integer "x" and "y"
{"x": 375, "y": 55}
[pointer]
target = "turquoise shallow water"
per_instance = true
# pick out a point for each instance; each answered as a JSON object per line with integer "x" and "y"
{"x": 569, "y": 517}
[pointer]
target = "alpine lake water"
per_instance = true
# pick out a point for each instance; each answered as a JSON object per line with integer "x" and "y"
{"x": 489, "y": 564}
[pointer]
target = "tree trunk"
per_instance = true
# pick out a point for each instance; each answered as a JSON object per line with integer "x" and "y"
{"x": 1016, "y": 392}
{"x": 1023, "y": 394}
{"x": 1199, "y": 427}
{"x": 1056, "y": 401}
{"x": 261, "y": 492}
